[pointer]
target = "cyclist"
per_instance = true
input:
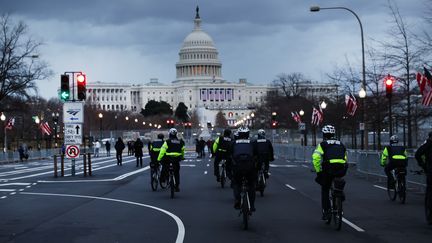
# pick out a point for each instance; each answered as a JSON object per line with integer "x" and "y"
{"x": 243, "y": 153}
{"x": 173, "y": 148}
{"x": 220, "y": 148}
{"x": 154, "y": 148}
{"x": 330, "y": 161}
{"x": 397, "y": 157}
{"x": 265, "y": 152}
{"x": 423, "y": 156}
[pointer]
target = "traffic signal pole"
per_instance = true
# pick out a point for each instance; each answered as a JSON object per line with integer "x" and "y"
{"x": 390, "y": 117}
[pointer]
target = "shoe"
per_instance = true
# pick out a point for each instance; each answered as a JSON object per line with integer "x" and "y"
{"x": 237, "y": 205}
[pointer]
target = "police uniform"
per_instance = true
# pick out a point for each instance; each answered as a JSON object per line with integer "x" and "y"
{"x": 397, "y": 156}
{"x": 243, "y": 153}
{"x": 265, "y": 153}
{"x": 221, "y": 149}
{"x": 172, "y": 150}
{"x": 329, "y": 161}
{"x": 154, "y": 149}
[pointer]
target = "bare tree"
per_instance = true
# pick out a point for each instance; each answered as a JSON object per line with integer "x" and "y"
{"x": 291, "y": 83}
{"x": 195, "y": 119}
{"x": 220, "y": 120}
{"x": 19, "y": 69}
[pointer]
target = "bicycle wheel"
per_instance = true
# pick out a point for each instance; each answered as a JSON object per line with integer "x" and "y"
{"x": 391, "y": 192}
{"x": 330, "y": 215}
{"x": 337, "y": 213}
{"x": 245, "y": 211}
{"x": 401, "y": 190}
{"x": 222, "y": 177}
{"x": 171, "y": 184}
{"x": 428, "y": 207}
{"x": 154, "y": 180}
{"x": 163, "y": 183}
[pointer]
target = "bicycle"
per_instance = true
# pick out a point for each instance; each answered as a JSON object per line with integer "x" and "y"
{"x": 171, "y": 179}
{"x": 261, "y": 180}
{"x": 223, "y": 174}
{"x": 336, "y": 199}
{"x": 398, "y": 189}
{"x": 155, "y": 175}
{"x": 245, "y": 207}
{"x": 428, "y": 199}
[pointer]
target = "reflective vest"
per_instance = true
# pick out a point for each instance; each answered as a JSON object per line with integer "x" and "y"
{"x": 393, "y": 152}
{"x": 173, "y": 148}
{"x": 156, "y": 145}
{"x": 329, "y": 151}
{"x": 222, "y": 144}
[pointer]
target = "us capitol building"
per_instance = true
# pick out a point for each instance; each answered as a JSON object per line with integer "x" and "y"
{"x": 199, "y": 85}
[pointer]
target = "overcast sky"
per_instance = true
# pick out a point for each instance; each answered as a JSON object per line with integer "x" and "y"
{"x": 131, "y": 41}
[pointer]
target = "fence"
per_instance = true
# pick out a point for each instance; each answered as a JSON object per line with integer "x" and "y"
{"x": 13, "y": 156}
{"x": 366, "y": 162}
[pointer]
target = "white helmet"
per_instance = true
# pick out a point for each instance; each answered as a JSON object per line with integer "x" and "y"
{"x": 173, "y": 132}
{"x": 261, "y": 133}
{"x": 243, "y": 130}
{"x": 329, "y": 130}
{"x": 394, "y": 139}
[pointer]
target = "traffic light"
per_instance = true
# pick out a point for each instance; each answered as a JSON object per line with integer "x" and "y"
{"x": 81, "y": 86}
{"x": 274, "y": 124}
{"x": 274, "y": 121}
{"x": 64, "y": 87}
{"x": 170, "y": 123}
{"x": 389, "y": 85}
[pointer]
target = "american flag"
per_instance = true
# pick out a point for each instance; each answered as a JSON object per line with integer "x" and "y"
{"x": 351, "y": 104}
{"x": 46, "y": 129}
{"x": 10, "y": 124}
{"x": 296, "y": 116}
{"x": 425, "y": 85}
{"x": 317, "y": 116}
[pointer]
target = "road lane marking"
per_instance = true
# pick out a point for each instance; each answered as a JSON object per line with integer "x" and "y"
{"x": 289, "y": 166}
{"x": 16, "y": 184}
{"x": 187, "y": 165}
{"x": 180, "y": 225}
{"x": 346, "y": 221}
{"x": 290, "y": 187}
{"x": 205, "y": 172}
{"x": 3, "y": 197}
{"x": 7, "y": 190}
{"x": 12, "y": 193}
{"x": 380, "y": 187}
{"x": 305, "y": 166}
{"x": 208, "y": 165}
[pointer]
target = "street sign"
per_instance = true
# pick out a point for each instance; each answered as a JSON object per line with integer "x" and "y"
{"x": 73, "y": 112}
{"x": 302, "y": 126}
{"x": 362, "y": 126}
{"x": 72, "y": 151}
{"x": 73, "y": 133}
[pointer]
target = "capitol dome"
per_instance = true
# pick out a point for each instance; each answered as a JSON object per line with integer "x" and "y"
{"x": 198, "y": 57}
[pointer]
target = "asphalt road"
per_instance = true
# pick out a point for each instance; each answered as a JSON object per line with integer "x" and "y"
{"x": 117, "y": 204}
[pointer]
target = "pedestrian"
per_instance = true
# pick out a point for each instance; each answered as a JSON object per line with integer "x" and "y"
{"x": 23, "y": 152}
{"x": 423, "y": 156}
{"x": 119, "y": 146}
{"x": 97, "y": 146}
{"x": 197, "y": 148}
{"x": 202, "y": 147}
{"x": 108, "y": 148}
{"x": 129, "y": 145}
{"x": 210, "y": 147}
{"x": 138, "y": 146}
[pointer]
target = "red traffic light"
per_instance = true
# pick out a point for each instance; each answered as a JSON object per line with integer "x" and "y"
{"x": 389, "y": 80}
{"x": 81, "y": 78}
{"x": 81, "y": 86}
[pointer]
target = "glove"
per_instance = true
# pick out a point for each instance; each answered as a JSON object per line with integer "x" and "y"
{"x": 319, "y": 177}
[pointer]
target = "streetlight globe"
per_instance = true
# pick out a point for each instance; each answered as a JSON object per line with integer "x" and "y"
{"x": 323, "y": 105}
{"x": 362, "y": 93}
{"x": 2, "y": 117}
{"x": 314, "y": 8}
{"x": 136, "y": 120}
{"x": 100, "y": 115}
{"x": 143, "y": 123}
{"x": 37, "y": 120}
{"x": 274, "y": 113}
{"x": 301, "y": 112}
{"x": 248, "y": 117}
{"x": 127, "y": 118}
{"x": 252, "y": 115}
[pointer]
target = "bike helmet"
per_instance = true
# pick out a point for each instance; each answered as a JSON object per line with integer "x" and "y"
{"x": 261, "y": 133}
{"x": 243, "y": 132}
{"x": 394, "y": 139}
{"x": 227, "y": 133}
{"x": 173, "y": 132}
{"x": 160, "y": 136}
{"x": 328, "y": 131}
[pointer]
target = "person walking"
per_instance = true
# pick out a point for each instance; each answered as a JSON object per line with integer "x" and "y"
{"x": 423, "y": 156}
{"x": 108, "y": 148}
{"x": 138, "y": 146}
{"x": 119, "y": 146}
{"x": 97, "y": 147}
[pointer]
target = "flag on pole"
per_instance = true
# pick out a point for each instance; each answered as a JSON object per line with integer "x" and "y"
{"x": 10, "y": 124}
{"x": 317, "y": 116}
{"x": 425, "y": 85}
{"x": 46, "y": 129}
{"x": 351, "y": 104}
{"x": 296, "y": 116}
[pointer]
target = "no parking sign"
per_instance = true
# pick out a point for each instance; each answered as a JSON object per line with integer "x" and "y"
{"x": 72, "y": 151}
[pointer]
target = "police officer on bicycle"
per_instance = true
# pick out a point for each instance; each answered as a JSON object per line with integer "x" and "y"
{"x": 172, "y": 151}
{"x": 221, "y": 148}
{"x": 243, "y": 152}
{"x": 265, "y": 152}
{"x": 397, "y": 158}
{"x": 423, "y": 156}
{"x": 329, "y": 161}
{"x": 154, "y": 149}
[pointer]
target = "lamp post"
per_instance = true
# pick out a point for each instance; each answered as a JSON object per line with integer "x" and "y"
{"x": 303, "y": 128}
{"x": 316, "y": 9}
{"x": 55, "y": 117}
{"x": 3, "y": 119}
{"x": 37, "y": 121}
{"x": 362, "y": 95}
{"x": 100, "y": 126}
{"x": 323, "y": 105}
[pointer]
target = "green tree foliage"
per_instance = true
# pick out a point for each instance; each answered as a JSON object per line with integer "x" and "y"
{"x": 181, "y": 112}
{"x": 156, "y": 108}
{"x": 221, "y": 121}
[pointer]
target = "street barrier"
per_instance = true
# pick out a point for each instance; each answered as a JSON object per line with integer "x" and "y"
{"x": 366, "y": 162}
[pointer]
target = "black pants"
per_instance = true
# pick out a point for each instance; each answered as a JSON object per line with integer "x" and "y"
{"x": 393, "y": 164}
{"x": 176, "y": 166}
{"x": 266, "y": 164}
{"x": 119, "y": 158}
{"x": 237, "y": 184}
{"x": 139, "y": 161}
{"x": 228, "y": 164}
{"x": 330, "y": 171}
{"x": 153, "y": 159}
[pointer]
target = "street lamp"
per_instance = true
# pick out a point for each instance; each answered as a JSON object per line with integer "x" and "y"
{"x": 55, "y": 117}
{"x": 301, "y": 112}
{"x": 316, "y": 9}
{"x": 37, "y": 121}
{"x": 3, "y": 118}
{"x": 100, "y": 125}
{"x": 323, "y": 105}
